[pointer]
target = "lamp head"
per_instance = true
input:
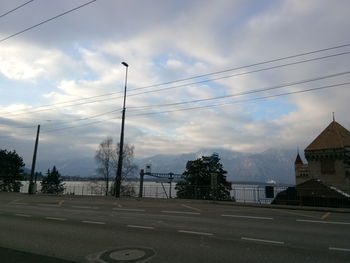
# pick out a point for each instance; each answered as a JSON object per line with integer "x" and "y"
{"x": 125, "y": 64}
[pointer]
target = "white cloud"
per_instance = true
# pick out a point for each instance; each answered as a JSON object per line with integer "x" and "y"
{"x": 169, "y": 40}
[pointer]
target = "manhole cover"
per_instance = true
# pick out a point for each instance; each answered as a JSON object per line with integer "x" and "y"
{"x": 125, "y": 255}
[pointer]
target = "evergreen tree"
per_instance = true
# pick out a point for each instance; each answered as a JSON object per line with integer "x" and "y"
{"x": 204, "y": 178}
{"x": 10, "y": 171}
{"x": 52, "y": 183}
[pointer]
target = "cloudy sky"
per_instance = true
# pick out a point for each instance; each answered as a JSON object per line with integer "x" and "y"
{"x": 215, "y": 73}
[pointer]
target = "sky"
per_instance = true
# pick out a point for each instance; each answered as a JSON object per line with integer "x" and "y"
{"x": 202, "y": 74}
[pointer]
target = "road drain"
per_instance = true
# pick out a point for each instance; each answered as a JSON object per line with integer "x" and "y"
{"x": 125, "y": 255}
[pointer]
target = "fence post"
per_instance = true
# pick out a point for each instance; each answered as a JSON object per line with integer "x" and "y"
{"x": 141, "y": 183}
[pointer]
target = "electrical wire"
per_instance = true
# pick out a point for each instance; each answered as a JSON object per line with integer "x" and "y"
{"x": 242, "y": 101}
{"x": 45, "y": 21}
{"x": 249, "y": 65}
{"x": 16, "y": 8}
{"x": 77, "y": 126}
{"x": 72, "y": 121}
{"x": 214, "y": 98}
{"x": 207, "y": 106}
{"x": 247, "y": 92}
{"x": 219, "y": 78}
{"x": 39, "y": 108}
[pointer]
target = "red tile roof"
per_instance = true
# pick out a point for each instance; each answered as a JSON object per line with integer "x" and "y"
{"x": 333, "y": 137}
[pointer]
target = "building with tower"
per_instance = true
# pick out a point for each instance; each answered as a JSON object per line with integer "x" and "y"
{"x": 328, "y": 157}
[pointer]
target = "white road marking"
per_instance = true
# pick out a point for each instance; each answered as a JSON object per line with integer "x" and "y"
{"x": 129, "y": 209}
{"x": 94, "y": 222}
{"x": 191, "y": 207}
{"x": 48, "y": 205}
{"x": 250, "y": 217}
{"x": 85, "y": 207}
{"x": 195, "y": 233}
{"x": 23, "y": 215}
{"x": 17, "y": 203}
{"x": 340, "y": 249}
{"x": 117, "y": 204}
{"x": 55, "y": 218}
{"x": 323, "y": 222}
{"x": 180, "y": 212}
{"x": 143, "y": 227}
{"x": 263, "y": 240}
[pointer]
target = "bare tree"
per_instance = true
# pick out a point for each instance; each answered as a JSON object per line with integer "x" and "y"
{"x": 107, "y": 159}
{"x": 129, "y": 168}
{"x": 104, "y": 157}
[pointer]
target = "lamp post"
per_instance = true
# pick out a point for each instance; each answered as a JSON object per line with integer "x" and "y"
{"x": 118, "y": 177}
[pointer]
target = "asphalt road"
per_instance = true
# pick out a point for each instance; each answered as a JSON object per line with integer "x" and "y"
{"x": 105, "y": 229}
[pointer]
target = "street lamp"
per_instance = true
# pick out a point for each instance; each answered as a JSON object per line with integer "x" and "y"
{"x": 118, "y": 178}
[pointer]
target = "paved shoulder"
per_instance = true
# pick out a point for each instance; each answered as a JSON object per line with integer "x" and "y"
{"x": 16, "y": 256}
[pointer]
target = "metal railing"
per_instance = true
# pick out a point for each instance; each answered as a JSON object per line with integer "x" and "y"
{"x": 260, "y": 194}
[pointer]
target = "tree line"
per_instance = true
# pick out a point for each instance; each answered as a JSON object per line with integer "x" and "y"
{"x": 203, "y": 178}
{"x": 11, "y": 175}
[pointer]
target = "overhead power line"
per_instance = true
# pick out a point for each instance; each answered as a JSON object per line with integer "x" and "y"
{"x": 200, "y": 107}
{"x": 85, "y": 124}
{"x": 207, "y": 106}
{"x": 69, "y": 121}
{"x": 242, "y": 101}
{"x": 83, "y": 101}
{"x": 16, "y": 8}
{"x": 229, "y": 76}
{"x": 248, "y": 66}
{"x": 46, "y": 21}
{"x": 220, "y": 104}
{"x": 247, "y": 92}
{"x": 145, "y": 107}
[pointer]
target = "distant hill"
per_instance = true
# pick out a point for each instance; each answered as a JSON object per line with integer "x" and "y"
{"x": 271, "y": 165}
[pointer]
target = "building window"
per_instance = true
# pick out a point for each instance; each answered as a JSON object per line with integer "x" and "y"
{"x": 327, "y": 167}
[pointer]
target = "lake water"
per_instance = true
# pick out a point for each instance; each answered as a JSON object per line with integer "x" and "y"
{"x": 245, "y": 193}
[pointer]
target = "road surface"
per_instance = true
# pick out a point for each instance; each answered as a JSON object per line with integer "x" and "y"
{"x": 104, "y": 229}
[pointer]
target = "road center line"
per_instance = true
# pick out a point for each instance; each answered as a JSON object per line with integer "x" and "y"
{"x": 195, "y": 233}
{"x": 23, "y": 215}
{"x": 143, "y": 227}
{"x": 180, "y": 212}
{"x": 94, "y": 222}
{"x": 129, "y": 209}
{"x": 55, "y": 218}
{"x": 250, "y": 217}
{"x": 191, "y": 207}
{"x": 323, "y": 222}
{"x": 263, "y": 240}
{"x": 339, "y": 249}
{"x": 85, "y": 207}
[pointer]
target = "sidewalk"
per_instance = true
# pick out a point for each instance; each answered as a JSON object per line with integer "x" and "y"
{"x": 174, "y": 200}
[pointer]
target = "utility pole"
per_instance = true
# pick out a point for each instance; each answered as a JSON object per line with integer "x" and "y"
{"x": 118, "y": 178}
{"x": 32, "y": 186}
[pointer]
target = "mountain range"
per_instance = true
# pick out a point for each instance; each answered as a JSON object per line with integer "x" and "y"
{"x": 273, "y": 165}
